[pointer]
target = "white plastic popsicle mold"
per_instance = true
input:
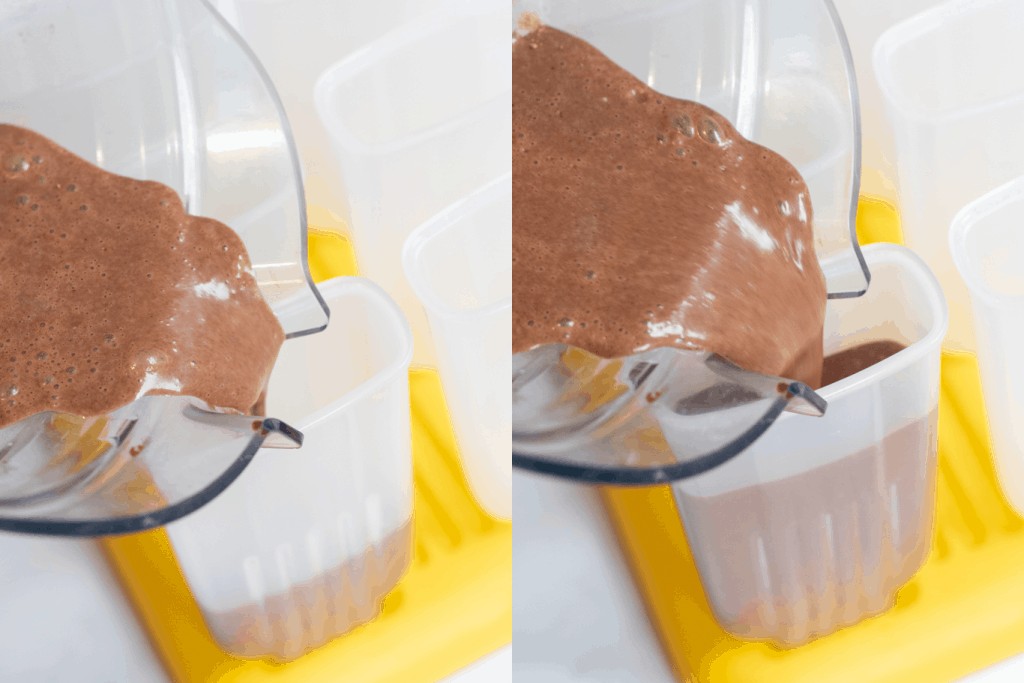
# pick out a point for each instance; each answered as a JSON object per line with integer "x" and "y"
{"x": 459, "y": 263}
{"x": 418, "y": 119}
{"x": 305, "y": 544}
{"x": 296, "y": 40}
{"x": 864, "y": 21}
{"x": 985, "y": 241}
{"x": 817, "y": 524}
{"x": 955, "y": 101}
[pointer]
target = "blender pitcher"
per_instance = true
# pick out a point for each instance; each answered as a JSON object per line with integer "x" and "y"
{"x": 159, "y": 90}
{"x": 782, "y": 74}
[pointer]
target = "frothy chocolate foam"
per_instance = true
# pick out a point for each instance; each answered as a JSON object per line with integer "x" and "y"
{"x": 112, "y": 291}
{"x": 641, "y": 220}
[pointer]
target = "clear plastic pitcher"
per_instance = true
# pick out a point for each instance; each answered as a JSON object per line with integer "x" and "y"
{"x": 304, "y": 546}
{"x": 956, "y": 104}
{"x": 418, "y": 120}
{"x": 161, "y": 91}
{"x": 819, "y": 523}
{"x": 459, "y": 263}
{"x": 985, "y": 241}
{"x": 781, "y": 74}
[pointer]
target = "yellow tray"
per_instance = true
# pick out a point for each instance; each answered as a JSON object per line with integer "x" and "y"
{"x": 453, "y": 606}
{"x": 960, "y": 613}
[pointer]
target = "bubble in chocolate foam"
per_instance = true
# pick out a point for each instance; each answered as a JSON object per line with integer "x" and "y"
{"x": 684, "y": 124}
{"x": 71, "y": 187}
{"x": 710, "y": 132}
{"x": 22, "y": 199}
{"x": 16, "y": 163}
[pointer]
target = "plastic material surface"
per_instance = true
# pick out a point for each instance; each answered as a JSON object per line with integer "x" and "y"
{"x": 160, "y": 91}
{"x": 657, "y": 416}
{"x": 296, "y": 40}
{"x": 780, "y": 72}
{"x": 143, "y": 465}
{"x": 202, "y": 118}
{"x": 819, "y": 522}
{"x": 956, "y": 105}
{"x": 418, "y": 119}
{"x": 459, "y": 264}
{"x": 986, "y": 244}
{"x": 302, "y": 549}
{"x": 864, "y": 21}
{"x": 959, "y": 614}
{"x": 453, "y": 606}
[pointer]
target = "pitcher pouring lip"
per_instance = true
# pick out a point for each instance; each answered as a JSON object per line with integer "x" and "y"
{"x": 694, "y": 410}
{"x": 115, "y": 474}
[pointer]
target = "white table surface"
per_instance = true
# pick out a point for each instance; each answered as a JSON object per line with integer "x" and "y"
{"x": 63, "y": 616}
{"x": 575, "y": 613}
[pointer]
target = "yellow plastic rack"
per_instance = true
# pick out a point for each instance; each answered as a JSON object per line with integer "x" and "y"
{"x": 453, "y": 606}
{"x": 962, "y": 612}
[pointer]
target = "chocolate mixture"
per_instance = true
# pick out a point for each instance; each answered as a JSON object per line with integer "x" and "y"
{"x": 112, "y": 291}
{"x": 851, "y": 361}
{"x": 287, "y": 625}
{"x": 764, "y": 547}
{"x": 640, "y": 220}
